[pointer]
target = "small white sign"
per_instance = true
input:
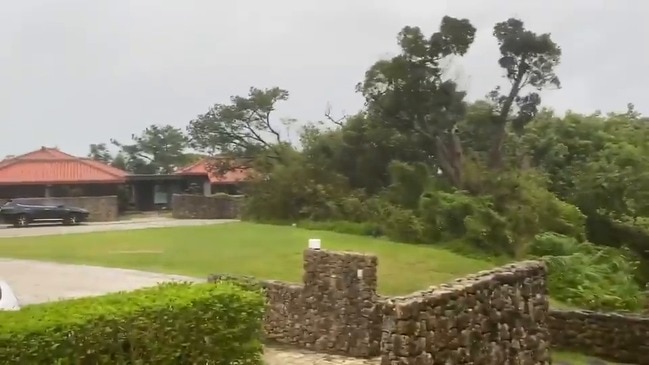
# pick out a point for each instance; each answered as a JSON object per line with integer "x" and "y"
{"x": 314, "y": 243}
{"x": 359, "y": 273}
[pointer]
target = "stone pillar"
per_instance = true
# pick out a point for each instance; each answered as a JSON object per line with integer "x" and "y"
{"x": 340, "y": 298}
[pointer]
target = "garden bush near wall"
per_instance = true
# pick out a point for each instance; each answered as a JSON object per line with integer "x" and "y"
{"x": 168, "y": 324}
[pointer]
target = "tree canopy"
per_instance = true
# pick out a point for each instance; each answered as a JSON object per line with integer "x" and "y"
{"x": 159, "y": 149}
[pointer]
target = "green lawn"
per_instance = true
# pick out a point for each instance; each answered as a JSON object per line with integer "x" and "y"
{"x": 263, "y": 251}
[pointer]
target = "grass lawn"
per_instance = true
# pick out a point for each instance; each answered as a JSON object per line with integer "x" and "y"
{"x": 263, "y": 251}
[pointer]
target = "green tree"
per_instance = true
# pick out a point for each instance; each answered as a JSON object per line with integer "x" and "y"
{"x": 119, "y": 162}
{"x": 159, "y": 149}
{"x": 99, "y": 152}
{"x": 409, "y": 98}
{"x": 530, "y": 60}
{"x": 242, "y": 131}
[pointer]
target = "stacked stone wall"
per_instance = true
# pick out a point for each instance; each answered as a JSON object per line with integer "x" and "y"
{"x": 499, "y": 316}
{"x": 335, "y": 309}
{"x": 218, "y": 206}
{"x": 616, "y": 337}
{"x": 493, "y": 317}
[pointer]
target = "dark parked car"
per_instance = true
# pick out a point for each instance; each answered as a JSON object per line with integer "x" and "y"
{"x": 21, "y": 214}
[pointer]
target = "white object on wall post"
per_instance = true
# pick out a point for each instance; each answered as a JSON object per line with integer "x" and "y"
{"x": 314, "y": 243}
{"x": 359, "y": 273}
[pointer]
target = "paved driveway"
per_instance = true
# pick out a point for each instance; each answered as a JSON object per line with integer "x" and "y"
{"x": 37, "y": 282}
{"x": 141, "y": 223}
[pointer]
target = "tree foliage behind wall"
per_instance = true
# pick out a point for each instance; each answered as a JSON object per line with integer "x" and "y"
{"x": 420, "y": 164}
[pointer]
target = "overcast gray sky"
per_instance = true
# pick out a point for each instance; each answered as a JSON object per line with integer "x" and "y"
{"x": 75, "y": 72}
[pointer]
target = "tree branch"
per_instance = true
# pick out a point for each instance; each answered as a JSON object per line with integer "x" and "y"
{"x": 339, "y": 122}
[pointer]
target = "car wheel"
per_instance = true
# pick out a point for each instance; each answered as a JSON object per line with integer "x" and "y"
{"x": 71, "y": 220}
{"x": 21, "y": 221}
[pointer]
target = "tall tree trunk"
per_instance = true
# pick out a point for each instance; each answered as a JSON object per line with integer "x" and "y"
{"x": 496, "y": 154}
{"x": 451, "y": 159}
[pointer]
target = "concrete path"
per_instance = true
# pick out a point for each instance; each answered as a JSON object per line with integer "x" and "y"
{"x": 289, "y": 356}
{"x": 38, "y": 282}
{"x": 138, "y": 223}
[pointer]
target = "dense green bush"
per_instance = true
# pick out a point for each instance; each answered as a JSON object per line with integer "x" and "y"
{"x": 588, "y": 276}
{"x": 168, "y": 324}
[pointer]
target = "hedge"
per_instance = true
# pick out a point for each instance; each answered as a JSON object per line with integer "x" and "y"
{"x": 176, "y": 323}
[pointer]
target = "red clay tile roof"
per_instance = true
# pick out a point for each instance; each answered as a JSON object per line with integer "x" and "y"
{"x": 200, "y": 168}
{"x": 51, "y": 166}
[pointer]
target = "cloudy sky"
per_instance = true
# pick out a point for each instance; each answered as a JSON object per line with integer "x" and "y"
{"x": 75, "y": 72}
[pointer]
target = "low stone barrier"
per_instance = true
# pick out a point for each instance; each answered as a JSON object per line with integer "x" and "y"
{"x": 615, "y": 337}
{"x": 494, "y": 317}
{"x": 101, "y": 208}
{"x": 218, "y": 206}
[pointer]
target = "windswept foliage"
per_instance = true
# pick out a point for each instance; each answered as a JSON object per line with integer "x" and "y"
{"x": 420, "y": 164}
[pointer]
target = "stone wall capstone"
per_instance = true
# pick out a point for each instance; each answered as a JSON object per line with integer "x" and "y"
{"x": 611, "y": 336}
{"x": 219, "y": 206}
{"x": 493, "y": 317}
{"x": 101, "y": 208}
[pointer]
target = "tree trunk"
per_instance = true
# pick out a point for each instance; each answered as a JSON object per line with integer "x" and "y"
{"x": 495, "y": 154}
{"x": 451, "y": 160}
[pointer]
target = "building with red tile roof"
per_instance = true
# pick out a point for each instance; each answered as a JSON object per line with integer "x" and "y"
{"x": 200, "y": 168}
{"x": 49, "y": 166}
{"x": 48, "y": 172}
{"x": 229, "y": 183}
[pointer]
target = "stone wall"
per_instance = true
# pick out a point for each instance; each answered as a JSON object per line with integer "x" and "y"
{"x": 499, "y": 316}
{"x": 101, "y": 208}
{"x": 219, "y": 206}
{"x": 493, "y": 317}
{"x": 335, "y": 310}
{"x": 615, "y": 337}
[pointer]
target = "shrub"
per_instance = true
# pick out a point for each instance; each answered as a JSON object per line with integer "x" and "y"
{"x": 168, "y": 324}
{"x": 460, "y": 216}
{"x": 589, "y": 276}
{"x": 399, "y": 224}
{"x": 553, "y": 244}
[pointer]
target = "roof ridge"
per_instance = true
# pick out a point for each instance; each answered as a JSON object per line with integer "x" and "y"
{"x": 42, "y": 149}
{"x": 104, "y": 167}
